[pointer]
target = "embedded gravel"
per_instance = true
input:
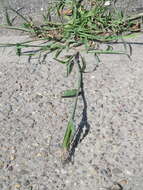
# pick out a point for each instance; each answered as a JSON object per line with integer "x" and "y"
{"x": 33, "y": 119}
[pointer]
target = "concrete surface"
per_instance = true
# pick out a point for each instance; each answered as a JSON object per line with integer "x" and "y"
{"x": 29, "y": 7}
{"x": 33, "y": 119}
{"x": 35, "y": 8}
{"x": 32, "y": 6}
{"x": 130, "y": 6}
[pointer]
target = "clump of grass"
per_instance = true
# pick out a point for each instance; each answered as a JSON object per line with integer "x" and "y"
{"x": 76, "y": 25}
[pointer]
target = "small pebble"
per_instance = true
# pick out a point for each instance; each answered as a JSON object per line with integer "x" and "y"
{"x": 63, "y": 171}
{"x": 107, "y": 3}
{"x": 12, "y": 157}
{"x": 67, "y": 182}
{"x": 13, "y": 150}
{"x": 1, "y": 164}
{"x": 128, "y": 173}
{"x": 123, "y": 182}
{"x": 39, "y": 155}
{"x": 92, "y": 77}
{"x": 115, "y": 187}
{"x": 17, "y": 186}
{"x": 75, "y": 184}
{"x": 35, "y": 144}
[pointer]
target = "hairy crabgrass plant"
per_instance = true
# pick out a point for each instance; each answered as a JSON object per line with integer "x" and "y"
{"x": 78, "y": 24}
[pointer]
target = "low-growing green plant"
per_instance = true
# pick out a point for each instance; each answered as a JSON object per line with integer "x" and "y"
{"x": 76, "y": 25}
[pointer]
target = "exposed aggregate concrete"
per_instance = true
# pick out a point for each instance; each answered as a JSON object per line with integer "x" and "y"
{"x": 33, "y": 119}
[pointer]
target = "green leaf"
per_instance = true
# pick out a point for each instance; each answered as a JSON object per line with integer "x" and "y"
{"x": 83, "y": 64}
{"x": 70, "y": 67}
{"x": 58, "y": 52}
{"x": 61, "y": 61}
{"x": 69, "y": 93}
{"x": 68, "y": 134}
{"x": 66, "y": 61}
{"x": 18, "y": 50}
{"x": 109, "y": 48}
{"x": 56, "y": 46}
{"x": 8, "y": 20}
{"x": 85, "y": 41}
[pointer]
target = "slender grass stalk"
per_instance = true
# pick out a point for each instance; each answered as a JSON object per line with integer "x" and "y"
{"x": 71, "y": 127}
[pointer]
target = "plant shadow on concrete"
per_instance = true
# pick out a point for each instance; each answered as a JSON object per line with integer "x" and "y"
{"x": 80, "y": 27}
{"x": 83, "y": 126}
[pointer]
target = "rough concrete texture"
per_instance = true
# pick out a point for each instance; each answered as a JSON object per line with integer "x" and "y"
{"x": 33, "y": 119}
{"x": 130, "y": 5}
{"x": 32, "y": 6}
{"x": 28, "y": 7}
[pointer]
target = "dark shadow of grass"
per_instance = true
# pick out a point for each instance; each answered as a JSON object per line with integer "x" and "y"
{"x": 83, "y": 127}
{"x": 128, "y": 43}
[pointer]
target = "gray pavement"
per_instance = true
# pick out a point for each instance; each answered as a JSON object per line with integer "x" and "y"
{"x": 32, "y": 6}
{"x": 33, "y": 119}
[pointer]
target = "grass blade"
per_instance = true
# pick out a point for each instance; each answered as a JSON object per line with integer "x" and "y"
{"x": 83, "y": 64}
{"x": 8, "y": 20}
{"x": 69, "y": 93}
{"x": 68, "y": 135}
{"x": 16, "y": 28}
{"x": 70, "y": 66}
{"x": 15, "y": 11}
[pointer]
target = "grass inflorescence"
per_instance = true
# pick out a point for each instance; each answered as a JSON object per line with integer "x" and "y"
{"x": 77, "y": 24}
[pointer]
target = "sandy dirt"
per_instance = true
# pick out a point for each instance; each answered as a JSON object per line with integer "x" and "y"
{"x": 33, "y": 119}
